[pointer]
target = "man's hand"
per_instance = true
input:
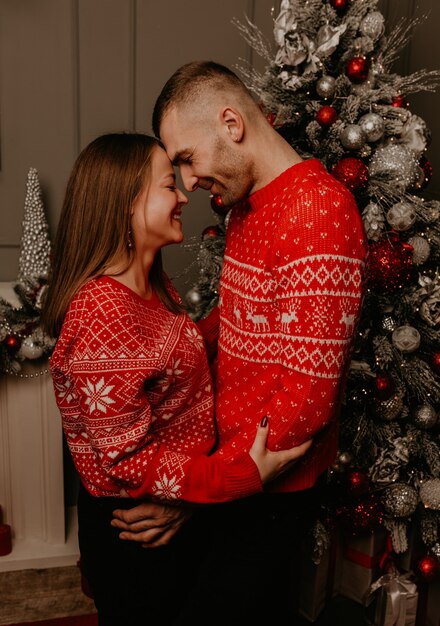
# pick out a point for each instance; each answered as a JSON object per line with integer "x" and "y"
{"x": 151, "y": 524}
{"x": 272, "y": 464}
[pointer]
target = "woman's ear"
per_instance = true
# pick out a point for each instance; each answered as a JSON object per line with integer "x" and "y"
{"x": 233, "y": 123}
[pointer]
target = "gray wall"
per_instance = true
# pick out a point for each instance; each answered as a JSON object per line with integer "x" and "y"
{"x": 72, "y": 69}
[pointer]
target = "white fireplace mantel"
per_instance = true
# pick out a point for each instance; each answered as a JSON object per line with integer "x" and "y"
{"x": 31, "y": 470}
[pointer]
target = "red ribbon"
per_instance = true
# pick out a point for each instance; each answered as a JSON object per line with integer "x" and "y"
{"x": 362, "y": 559}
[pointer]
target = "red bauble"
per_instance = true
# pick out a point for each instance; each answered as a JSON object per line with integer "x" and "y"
{"x": 358, "y": 483}
{"x": 211, "y": 231}
{"x": 400, "y": 102}
{"x": 389, "y": 264}
{"x": 429, "y": 567}
{"x": 357, "y": 69}
{"x": 352, "y": 172}
{"x": 384, "y": 386}
{"x": 12, "y": 343}
{"x": 340, "y": 5}
{"x": 271, "y": 117}
{"x": 326, "y": 116}
{"x": 427, "y": 171}
{"x": 435, "y": 359}
{"x": 217, "y": 205}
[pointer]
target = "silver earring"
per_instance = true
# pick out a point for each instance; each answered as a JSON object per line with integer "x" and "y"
{"x": 129, "y": 242}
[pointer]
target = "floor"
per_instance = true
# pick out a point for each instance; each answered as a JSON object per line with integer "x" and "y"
{"x": 48, "y": 593}
{"x": 38, "y": 594}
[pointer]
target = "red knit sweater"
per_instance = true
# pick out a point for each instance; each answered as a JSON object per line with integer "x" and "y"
{"x": 135, "y": 394}
{"x": 290, "y": 295}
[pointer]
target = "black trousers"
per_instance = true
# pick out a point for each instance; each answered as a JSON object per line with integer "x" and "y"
{"x": 251, "y": 571}
{"x": 136, "y": 586}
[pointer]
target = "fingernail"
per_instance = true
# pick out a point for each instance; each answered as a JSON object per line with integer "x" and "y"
{"x": 263, "y": 422}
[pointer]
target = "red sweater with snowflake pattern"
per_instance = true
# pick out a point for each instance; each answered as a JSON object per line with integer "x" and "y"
{"x": 132, "y": 383}
{"x": 290, "y": 296}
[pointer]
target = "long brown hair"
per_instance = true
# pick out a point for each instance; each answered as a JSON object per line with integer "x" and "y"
{"x": 94, "y": 229}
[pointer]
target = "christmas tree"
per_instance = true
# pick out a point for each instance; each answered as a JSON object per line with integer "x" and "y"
{"x": 21, "y": 337}
{"x": 329, "y": 90}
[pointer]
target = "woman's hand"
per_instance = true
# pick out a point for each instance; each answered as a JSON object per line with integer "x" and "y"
{"x": 272, "y": 464}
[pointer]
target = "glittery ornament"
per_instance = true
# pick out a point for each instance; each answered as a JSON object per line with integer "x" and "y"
{"x": 373, "y": 126}
{"x": 325, "y": 87}
{"x": 391, "y": 408}
{"x": 326, "y": 115}
{"x": 351, "y": 172}
{"x": 389, "y": 323}
{"x": 425, "y": 417}
{"x": 421, "y": 249}
{"x": 211, "y": 231}
{"x": 406, "y": 338}
{"x": 363, "y": 516}
{"x": 402, "y": 216}
{"x": 373, "y": 25}
{"x": 436, "y": 550}
{"x": 357, "y": 69}
{"x": 396, "y": 163}
{"x": 430, "y": 493}
{"x": 429, "y": 567}
{"x": 400, "y": 500}
{"x": 400, "y": 102}
{"x": 34, "y": 260}
{"x": 389, "y": 264}
{"x": 352, "y": 137}
{"x": 373, "y": 220}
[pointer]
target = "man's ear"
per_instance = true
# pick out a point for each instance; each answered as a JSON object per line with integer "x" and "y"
{"x": 233, "y": 123}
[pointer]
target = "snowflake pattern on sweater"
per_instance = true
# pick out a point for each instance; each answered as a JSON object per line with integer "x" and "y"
{"x": 132, "y": 383}
{"x": 290, "y": 296}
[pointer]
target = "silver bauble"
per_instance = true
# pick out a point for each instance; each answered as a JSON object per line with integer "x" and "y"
{"x": 325, "y": 87}
{"x": 372, "y": 125}
{"x": 395, "y": 163}
{"x": 425, "y": 417}
{"x": 406, "y": 338}
{"x": 421, "y": 249}
{"x": 430, "y": 493}
{"x": 400, "y": 500}
{"x": 402, "y": 216}
{"x": 373, "y": 25}
{"x": 30, "y": 350}
{"x": 345, "y": 458}
{"x": 352, "y": 137}
{"x": 193, "y": 296}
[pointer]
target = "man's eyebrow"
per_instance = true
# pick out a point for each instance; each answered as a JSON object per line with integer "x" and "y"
{"x": 181, "y": 155}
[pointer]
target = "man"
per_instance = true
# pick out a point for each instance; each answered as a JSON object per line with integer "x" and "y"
{"x": 290, "y": 294}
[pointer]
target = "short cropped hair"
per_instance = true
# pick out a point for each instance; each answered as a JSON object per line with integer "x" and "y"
{"x": 193, "y": 80}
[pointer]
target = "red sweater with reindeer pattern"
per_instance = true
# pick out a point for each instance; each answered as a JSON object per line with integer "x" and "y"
{"x": 290, "y": 296}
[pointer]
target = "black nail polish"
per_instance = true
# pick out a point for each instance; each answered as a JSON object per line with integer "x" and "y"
{"x": 263, "y": 422}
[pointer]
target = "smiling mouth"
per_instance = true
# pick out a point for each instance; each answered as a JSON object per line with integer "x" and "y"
{"x": 177, "y": 216}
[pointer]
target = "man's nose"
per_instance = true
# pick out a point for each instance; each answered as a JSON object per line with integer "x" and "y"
{"x": 190, "y": 181}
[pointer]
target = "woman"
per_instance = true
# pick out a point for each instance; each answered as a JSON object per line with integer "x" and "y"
{"x": 131, "y": 376}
